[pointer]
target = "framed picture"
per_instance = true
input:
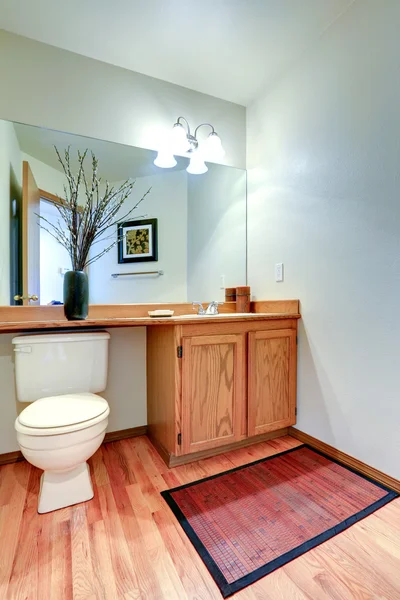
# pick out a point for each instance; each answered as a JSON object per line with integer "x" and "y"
{"x": 137, "y": 241}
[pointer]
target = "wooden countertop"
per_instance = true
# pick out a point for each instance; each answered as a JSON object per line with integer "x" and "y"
{"x": 9, "y": 327}
{"x": 31, "y": 318}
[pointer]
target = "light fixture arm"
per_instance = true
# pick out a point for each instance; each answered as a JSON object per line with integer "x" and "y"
{"x": 193, "y": 138}
{"x": 203, "y": 125}
{"x": 178, "y": 121}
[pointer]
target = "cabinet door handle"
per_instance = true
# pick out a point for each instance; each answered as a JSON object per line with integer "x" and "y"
{"x": 29, "y": 297}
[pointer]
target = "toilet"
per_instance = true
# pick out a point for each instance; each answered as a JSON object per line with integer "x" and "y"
{"x": 59, "y": 375}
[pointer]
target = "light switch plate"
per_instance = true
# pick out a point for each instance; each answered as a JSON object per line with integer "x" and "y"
{"x": 279, "y": 272}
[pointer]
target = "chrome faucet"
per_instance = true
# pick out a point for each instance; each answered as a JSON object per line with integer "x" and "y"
{"x": 212, "y": 308}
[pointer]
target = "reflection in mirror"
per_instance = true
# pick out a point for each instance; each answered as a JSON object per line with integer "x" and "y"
{"x": 200, "y": 219}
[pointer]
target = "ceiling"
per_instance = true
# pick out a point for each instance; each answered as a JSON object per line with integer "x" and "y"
{"x": 231, "y": 49}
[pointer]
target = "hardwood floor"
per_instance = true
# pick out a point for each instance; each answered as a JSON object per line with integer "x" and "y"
{"x": 126, "y": 543}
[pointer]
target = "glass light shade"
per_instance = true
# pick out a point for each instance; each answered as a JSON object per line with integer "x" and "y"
{"x": 197, "y": 165}
{"x": 165, "y": 160}
{"x": 179, "y": 141}
{"x": 212, "y": 147}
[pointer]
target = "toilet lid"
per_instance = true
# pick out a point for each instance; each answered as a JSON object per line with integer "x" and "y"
{"x": 61, "y": 411}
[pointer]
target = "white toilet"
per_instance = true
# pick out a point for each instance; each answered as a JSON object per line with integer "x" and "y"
{"x": 59, "y": 374}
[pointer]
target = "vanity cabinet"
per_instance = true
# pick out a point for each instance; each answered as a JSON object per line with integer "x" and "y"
{"x": 215, "y": 386}
{"x": 213, "y": 390}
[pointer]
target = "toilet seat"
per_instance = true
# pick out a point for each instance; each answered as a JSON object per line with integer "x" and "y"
{"x": 57, "y": 415}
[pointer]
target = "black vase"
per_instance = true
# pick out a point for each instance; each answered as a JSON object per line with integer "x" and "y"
{"x": 76, "y": 295}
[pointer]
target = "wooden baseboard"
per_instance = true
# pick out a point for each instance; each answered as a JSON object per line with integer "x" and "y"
{"x": 174, "y": 461}
{"x": 123, "y": 434}
{"x": 111, "y": 436}
{"x": 346, "y": 459}
{"x": 11, "y": 457}
{"x": 165, "y": 455}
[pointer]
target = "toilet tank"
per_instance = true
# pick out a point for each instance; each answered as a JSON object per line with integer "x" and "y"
{"x": 60, "y": 363}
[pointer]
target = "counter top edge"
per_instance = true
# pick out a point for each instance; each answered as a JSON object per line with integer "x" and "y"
{"x": 9, "y": 327}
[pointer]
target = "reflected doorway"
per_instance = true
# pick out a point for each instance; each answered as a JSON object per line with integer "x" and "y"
{"x": 54, "y": 259}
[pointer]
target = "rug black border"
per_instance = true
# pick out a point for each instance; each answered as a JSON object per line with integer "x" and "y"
{"x": 227, "y": 589}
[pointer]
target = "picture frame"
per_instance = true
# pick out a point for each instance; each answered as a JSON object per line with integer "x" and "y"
{"x": 138, "y": 241}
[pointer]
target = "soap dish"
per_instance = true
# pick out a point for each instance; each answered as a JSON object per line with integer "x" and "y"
{"x": 160, "y": 313}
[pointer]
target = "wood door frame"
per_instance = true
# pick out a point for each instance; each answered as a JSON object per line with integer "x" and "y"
{"x": 238, "y": 340}
{"x": 53, "y": 199}
{"x": 291, "y": 334}
{"x": 27, "y": 178}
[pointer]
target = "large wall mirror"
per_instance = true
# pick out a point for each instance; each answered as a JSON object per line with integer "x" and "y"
{"x": 201, "y": 223}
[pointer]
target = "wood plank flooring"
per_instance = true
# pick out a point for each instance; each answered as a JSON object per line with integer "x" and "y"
{"x": 126, "y": 543}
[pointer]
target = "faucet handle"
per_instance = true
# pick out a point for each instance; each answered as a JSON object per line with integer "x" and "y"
{"x": 201, "y": 310}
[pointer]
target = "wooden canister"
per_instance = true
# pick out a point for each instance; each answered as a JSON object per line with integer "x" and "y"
{"x": 243, "y": 299}
{"x": 230, "y": 294}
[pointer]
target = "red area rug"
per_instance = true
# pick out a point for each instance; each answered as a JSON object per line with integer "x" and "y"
{"x": 249, "y": 521}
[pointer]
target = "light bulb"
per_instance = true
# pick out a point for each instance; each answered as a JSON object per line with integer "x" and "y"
{"x": 212, "y": 147}
{"x": 179, "y": 141}
{"x": 165, "y": 160}
{"x": 197, "y": 165}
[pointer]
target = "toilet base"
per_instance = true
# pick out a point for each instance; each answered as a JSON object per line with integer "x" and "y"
{"x": 59, "y": 489}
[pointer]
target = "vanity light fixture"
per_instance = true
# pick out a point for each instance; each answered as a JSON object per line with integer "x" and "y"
{"x": 197, "y": 166}
{"x": 165, "y": 160}
{"x": 183, "y": 142}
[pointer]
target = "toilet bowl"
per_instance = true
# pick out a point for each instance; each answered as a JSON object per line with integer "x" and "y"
{"x": 59, "y": 434}
{"x": 66, "y": 421}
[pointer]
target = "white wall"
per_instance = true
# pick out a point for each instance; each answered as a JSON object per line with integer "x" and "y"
{"x": 43, "y": 85}
{"x": 10, "y": 158}
{"x": 216, "y": 232}
{"x": 324, "y": 198}
{"x": 166, "y": 202}
{"x": 8, "y": 441}
{"x": 126, "y": 388}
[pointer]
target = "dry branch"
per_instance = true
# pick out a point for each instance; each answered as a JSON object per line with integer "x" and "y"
{"x": 87, "y": 224}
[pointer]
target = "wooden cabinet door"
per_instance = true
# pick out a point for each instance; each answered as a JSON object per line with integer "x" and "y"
{"x": 213, "y": 391}
{"x": 271, "y": 380}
